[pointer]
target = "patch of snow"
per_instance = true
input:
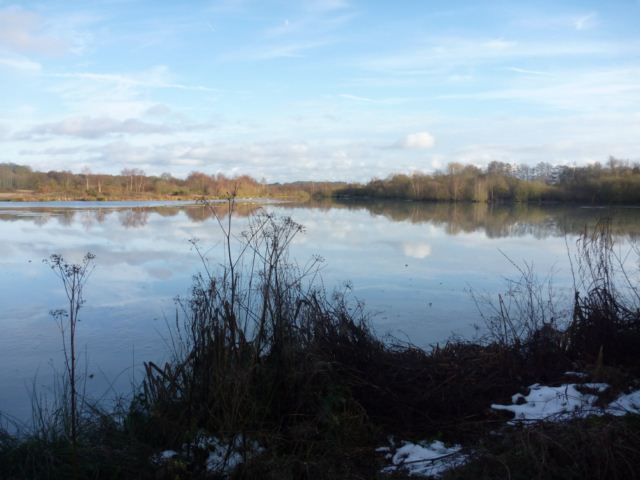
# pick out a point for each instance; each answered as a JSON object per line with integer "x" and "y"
{"x": 424, "y": 458}
{"x": 162, "y": 457}
{"x": 628, "y": 403}
{"x": 222, "y": 457}
{"x": 598, "y": 387}
{"x": 577, "y": 374}
{"x": 225, "y": 457}
{"x": 554, "y": 403}
{"x": 566, "y": 401}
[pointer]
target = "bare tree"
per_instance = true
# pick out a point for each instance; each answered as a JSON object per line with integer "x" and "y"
{"x": 140, "y": 181}
{"x": 454, "y": 170}
{"x": 129, "y": 172}
{"x": 86, "y": 171}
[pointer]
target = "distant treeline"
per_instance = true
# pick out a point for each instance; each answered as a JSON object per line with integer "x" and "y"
{"x": 134, "y": 183}
{"x": 616, "y": 182}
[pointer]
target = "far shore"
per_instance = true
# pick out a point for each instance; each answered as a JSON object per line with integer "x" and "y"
{"x": 21, "y": 196}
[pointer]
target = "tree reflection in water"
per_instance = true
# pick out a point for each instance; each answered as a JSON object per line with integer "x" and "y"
{"x": 495, "y": 221}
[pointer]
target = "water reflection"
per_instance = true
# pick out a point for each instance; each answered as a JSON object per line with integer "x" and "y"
{"x": 495, "y": 221}
{"x": 128, "y": 217}
{"x": 411, "y": 264}
{"x": 134, "y": 217}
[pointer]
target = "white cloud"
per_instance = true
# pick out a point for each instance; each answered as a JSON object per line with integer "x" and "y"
{"x": 277, "y": 160}
{"x": 158, "y": 110}
{"x": 416, "y": 250}
{"x": 420, "y": 140}
{"x": 560, "y": 139}
{"x": 22, "y": 31}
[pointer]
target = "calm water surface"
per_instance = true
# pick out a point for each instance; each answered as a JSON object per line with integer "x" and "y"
{"x": 412, "y": 264}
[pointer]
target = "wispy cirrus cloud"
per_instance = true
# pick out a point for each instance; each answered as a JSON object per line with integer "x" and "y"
{"x": 533, "y": 19}
{"x": 120, "y": 94}
{"x": 310, "y": 25}
{"x": 590, "y": 90}
{"x": 527, "y": 71}
{"x": 586, "y": 22}
{"x": 156, "y": 77}
{"x": 327, "y": 5}
{"x": 442, "y": 54}
{"x": 98, "y": 127}
{"x": 282, "y": 50}
{"x": 20, "y": 63}
{"x": 375, "y": 101}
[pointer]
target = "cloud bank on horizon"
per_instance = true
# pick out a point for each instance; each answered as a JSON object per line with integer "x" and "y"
{"x": 316, "y": 89}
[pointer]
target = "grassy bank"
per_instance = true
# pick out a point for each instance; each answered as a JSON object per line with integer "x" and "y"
{"x": 273, "y": 377}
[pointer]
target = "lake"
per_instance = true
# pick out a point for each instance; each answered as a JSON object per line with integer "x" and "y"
{"x": 412, "y": 264}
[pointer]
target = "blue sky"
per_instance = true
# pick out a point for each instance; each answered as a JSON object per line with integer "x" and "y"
{"x": 317, "y": 89}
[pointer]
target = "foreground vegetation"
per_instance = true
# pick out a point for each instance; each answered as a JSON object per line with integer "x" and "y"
{"x": 296, "y": 384}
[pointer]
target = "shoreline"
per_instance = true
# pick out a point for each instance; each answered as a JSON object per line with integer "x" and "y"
{"x": 338, "y": 199}
{"x": 7, "y": 198}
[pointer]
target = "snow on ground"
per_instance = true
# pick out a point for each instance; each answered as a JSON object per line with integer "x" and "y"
{"x": 163, "y": 456}
{"x": 628, "y": 403}
{"x": 567, "y": 401}
{"x": 431, "y": 459}
{"x": 558, "y": 403}
{"x": 223, "y": 457}
{"x": 423, "y": 459}
{"x": 577, "y": 374}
